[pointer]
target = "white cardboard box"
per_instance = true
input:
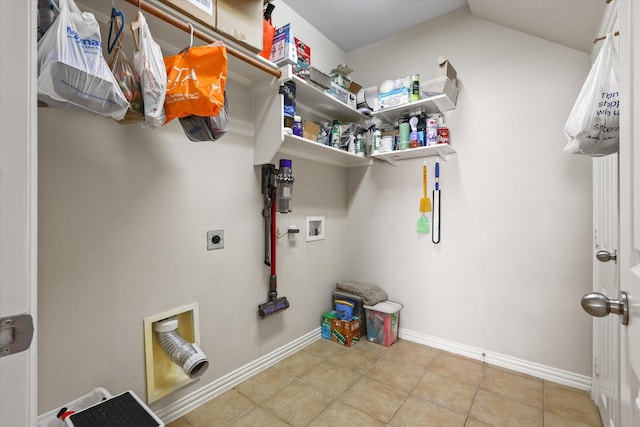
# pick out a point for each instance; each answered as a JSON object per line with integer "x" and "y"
{"x": 440, "y": 85}
{"x": 445, "y": 69}
{"x": 392, "y": 99}
{"x": 284, "y": 50}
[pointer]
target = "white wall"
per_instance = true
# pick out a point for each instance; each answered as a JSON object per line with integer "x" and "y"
{"x": 123, "y": 215}
{"x": 515, "y": 255}
{"x": 325, "y": 55}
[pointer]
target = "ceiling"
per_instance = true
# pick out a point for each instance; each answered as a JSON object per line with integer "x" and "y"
{"x": 351, "y": 24}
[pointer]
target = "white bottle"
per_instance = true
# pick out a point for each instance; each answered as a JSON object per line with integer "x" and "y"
{"x": 375, "y": 141}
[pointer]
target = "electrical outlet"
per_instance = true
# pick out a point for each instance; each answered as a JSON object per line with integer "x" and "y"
{"x": 215, "y": 239}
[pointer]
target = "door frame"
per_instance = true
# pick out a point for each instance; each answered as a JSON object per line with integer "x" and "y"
{"x": 18, "y": 203}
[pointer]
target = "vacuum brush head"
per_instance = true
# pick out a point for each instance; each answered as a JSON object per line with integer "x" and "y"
{"x": 273, "y": 306}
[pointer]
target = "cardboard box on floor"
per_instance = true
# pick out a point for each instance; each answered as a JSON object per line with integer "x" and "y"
{"x": 345, "y": 333}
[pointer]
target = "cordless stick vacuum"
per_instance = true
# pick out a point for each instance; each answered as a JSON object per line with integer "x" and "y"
{"x": 277, "y": 187}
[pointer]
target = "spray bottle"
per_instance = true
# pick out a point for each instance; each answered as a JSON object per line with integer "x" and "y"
{"x": 335, "y": 134}
{"x": 414, "y": 140}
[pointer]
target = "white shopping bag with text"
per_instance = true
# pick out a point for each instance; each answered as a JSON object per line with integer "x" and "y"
{"x": 72, "y": 71}
{"x": 593, "y": 126}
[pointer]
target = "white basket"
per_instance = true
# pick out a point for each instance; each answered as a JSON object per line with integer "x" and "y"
{"x": 97, "y": 395}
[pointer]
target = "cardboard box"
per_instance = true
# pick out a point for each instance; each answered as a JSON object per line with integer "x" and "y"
{"x": 326, "y": 324}
{"x": 338, "y": 92}
{"x": 318, "y": 77}
{"x": 311, "y": 130}
{"x": 304, "y": 56}
{"x": 283, "y": 50}
{"x": 345, "y": 333}
{"x": 340, "y": 76}
{"x": 392, "y": 98}
{"x": 354, "y": 88}
{"x": 351, "y": 100}
{"x": 440, "y": 85}
{"x": 446, "y": 69}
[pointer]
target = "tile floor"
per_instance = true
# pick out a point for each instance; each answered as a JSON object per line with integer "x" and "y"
{"x": 406, "y": 384}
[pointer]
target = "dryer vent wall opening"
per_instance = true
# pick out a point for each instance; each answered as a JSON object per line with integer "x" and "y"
{"x": 188, "y": 356}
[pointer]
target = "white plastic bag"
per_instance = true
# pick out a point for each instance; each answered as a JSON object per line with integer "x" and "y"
{"x": 149, "y": 64}
{"x": 123, "y": 70}
{"x": 593, "y": 126}
{"x": 71, "y": 69}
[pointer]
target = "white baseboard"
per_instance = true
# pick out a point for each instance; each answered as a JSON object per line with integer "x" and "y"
{"x": 177, "y": 409}
{"x": 180, "y": 407}
{"x": 537, "y": 370}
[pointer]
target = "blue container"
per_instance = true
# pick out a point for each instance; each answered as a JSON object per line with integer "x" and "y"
{"x": 345, "y": 309}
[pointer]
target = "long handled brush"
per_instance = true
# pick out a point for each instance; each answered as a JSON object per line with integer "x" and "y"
{"x": 425, "y": 205}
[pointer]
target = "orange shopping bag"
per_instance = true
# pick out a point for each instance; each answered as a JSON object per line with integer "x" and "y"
{"x": 268, "y": 30}
{"x": 196, "y": 79}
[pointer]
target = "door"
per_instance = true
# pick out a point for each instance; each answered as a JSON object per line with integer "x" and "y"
{"x": 629, "y": 257}
{"x": 605, "y": 390}
{"x": 18, "y": 195}
{"x": 606, "y": 354}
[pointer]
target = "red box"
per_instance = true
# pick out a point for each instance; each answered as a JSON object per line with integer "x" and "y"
{"x": 304, "y": 55}
{"x": 345, "y": 333}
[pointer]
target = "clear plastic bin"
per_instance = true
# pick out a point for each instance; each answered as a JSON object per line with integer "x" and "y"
{"x": 382, "y": 322}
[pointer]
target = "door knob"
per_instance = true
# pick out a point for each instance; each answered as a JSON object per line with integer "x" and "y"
{"x": 605, "y": 256}
{"x": 598, "y": 305}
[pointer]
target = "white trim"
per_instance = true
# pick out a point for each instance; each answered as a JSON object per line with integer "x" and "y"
{"x": 222, "y": 384}
{"x": 548, "y": 373}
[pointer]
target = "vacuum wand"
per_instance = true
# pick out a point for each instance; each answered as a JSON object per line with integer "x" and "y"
{"x": 277, "y": 187}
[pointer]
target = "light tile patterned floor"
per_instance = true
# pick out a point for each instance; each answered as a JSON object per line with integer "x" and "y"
{"x": 406, "y": 384}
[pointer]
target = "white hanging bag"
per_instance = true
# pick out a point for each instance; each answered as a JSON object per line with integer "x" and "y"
{"x": 593, "y": 126}
{"x": 72, "y": 71}
{"x": 149, "y": 64}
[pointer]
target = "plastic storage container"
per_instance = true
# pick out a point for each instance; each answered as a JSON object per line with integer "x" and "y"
{"x": 344, "y": 309}
{"x": 358, "y": 310}
{"x": 382, "y": 322}
{"x": 95, "y": 396}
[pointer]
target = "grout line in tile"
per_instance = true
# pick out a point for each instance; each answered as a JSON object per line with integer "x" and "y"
{"x": 367, "y": 371}
{"x": 475, "y": 396}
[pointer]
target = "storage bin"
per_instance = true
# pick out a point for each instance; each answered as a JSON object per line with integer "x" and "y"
{"x": 358, "y": 310}
{"x": 50, "y": 418}
{"x": 382, "y": 322}
{"x": 344, "y": 308}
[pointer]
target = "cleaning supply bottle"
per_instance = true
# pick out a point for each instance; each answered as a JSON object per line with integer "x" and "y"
{"x": 403, "y": 137}
{"x": 375, "y": 141}
{"x": 414, "y": 141}
{"x": 335, "y": 134}
{"x": 443, "y": 132}
{"x": 360, "y": 144}
{"x": 297, "y": 126}
{"x": 415, "y": 88}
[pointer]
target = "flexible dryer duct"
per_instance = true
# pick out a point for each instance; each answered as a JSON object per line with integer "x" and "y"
{"x": 186, "y": 355}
